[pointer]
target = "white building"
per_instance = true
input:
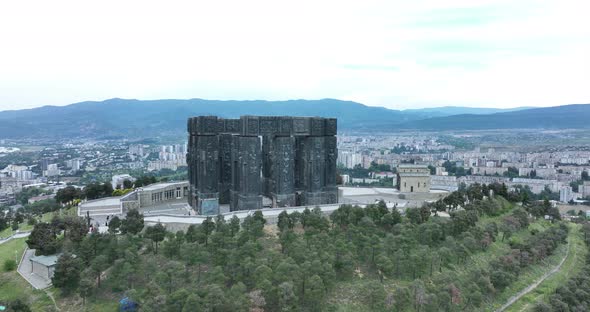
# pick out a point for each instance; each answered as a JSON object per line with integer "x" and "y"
{"x": 442, "y": 182}
{"x": 117, "y": 180}
{"x": 73, "y": 164}
{"x": 413, "y": 178}
{"x": 349, "y": 159}
{"x": 52, "y": 171}
{"x": 584, "y": 189}
{"x": 566, "y": 194}
{"x": 345, "y": 179}
{"x": 136, "y": 150}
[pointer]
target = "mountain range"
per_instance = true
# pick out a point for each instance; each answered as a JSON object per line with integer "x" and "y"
{"x": 138, "y": 118}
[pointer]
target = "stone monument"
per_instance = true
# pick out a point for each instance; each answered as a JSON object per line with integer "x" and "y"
{"x": 235, "y": 162}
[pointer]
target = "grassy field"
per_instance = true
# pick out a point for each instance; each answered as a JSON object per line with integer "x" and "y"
{"x": 12, "y": 248}
{"x": 572, "y": 265}
{"x": 13, "y": 286}
{"x": 24, "y": 226}
{"x": 46, "y": 217}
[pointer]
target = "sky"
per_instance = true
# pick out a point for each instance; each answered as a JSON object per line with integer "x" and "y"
{"x": 395, "y": 54}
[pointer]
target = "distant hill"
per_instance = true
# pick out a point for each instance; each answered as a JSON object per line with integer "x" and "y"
{"x": 135, "y": 118}
{"x": 460, "y": 110}
{"x": 155, "y": 118}
{"x": 575, "y": 116}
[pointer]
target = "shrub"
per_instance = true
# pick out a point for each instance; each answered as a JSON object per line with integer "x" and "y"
{"x": 9, "y": 265}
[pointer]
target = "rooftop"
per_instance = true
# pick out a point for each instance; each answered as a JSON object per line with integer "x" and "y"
{"x": 414, "y": 174}
{"x": 45, "y": 260}
{"x": 412, "y": 166}
{"x": 157, "y": 186}
{"x": 108, "y": 201}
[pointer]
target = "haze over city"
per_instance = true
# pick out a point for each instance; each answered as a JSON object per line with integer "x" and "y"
{"x": 395, "y": 54}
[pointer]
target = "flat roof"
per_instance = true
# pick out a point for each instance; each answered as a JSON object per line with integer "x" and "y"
{"x": 414, "y": 174}
{"x": 412, "y": 166}
{"x": 45, "y": 260}
{"x": 157, "y": 186}
{"x": 108, "y": 201}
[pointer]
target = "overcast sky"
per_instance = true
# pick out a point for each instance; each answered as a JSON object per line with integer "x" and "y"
{"x": 397, "y": 54}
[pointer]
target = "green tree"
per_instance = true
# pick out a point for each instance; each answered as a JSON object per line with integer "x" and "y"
{"x": 156, "y": 233}
{"x": 287, "y": 297}
{"x": 133, "y": 222}
{"x": 314, "y": 293}
{"x": 86, "y": 286}
{"x": 67, "y": 194}
{"x": 75, "y": 228}
{"x": 193, "y": 303}
{"x": 284, "y": 221}
{"x": 43, "y": 239}
{"x": 207, "y": 228}
{"x": 98, "y": 265}
{"x": 114, "y": 224}
{"x": 67, "y": 273}
{"x": 176, "y": 301}
{"x": 375, "y": 295}
{"x": 234, "y": 225}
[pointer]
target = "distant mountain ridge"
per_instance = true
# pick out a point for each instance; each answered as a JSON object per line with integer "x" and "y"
{"x": 461, "y": 110}
{"x": 573, "y": 116}
{"x": 140, "y": 119}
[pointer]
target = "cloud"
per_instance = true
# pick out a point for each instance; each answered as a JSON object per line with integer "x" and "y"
{"x": 398, "y": 54}
{"x": 370, "y": 67}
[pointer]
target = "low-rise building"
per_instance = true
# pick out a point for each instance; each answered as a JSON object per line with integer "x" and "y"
{"x": 43, "y": 266}
{"x": 413, "y": 178}
{"x": 155, "y": 195}
{"x": 444, "y": 182}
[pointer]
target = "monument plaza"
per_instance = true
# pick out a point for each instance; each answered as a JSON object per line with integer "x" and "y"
{"x": 235, "y": 162}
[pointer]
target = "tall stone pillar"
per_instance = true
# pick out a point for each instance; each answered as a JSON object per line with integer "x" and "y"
{"x": 247, "y": 184}
{"x": 282, "y": 175}
{"x": 330, "y": 188}
{"x": 206, "y": 157}
{"x": 225, "y": 167}
{"x": 191, "y": 161}
{"x": 314, "y": 170}
{"x": 267, "y": 166}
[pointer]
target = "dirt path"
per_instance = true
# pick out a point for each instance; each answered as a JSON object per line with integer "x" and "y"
{"x": 52, "y": 299}
{"x": 534, "y": 285}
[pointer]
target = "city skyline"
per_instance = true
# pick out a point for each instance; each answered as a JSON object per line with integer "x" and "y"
{"x": 392, "y": 54}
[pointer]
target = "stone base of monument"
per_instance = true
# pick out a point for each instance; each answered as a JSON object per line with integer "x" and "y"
{"x": 245, "y": 202}
{"x": 319, "y": 198}
{"x": 283, "y": 200}
{"x": 209, "y": 206}
{"x": 224, "y": 193}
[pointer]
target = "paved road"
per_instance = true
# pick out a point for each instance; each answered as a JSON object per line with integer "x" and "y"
{"x": 17, "y": 235}
{"x": 534, "y": 285}
{"x": 268, "y": 213}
